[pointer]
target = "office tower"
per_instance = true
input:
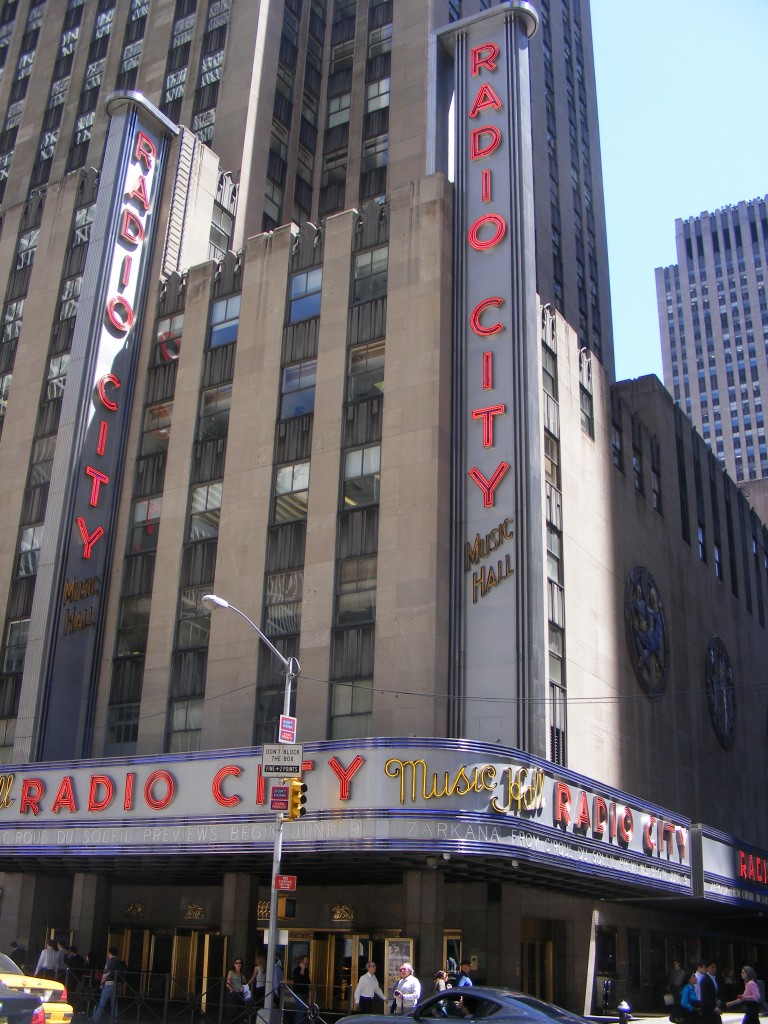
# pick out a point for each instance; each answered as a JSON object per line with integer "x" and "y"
{"x": 713, "y": 320}
{"x": 260, "y": 349}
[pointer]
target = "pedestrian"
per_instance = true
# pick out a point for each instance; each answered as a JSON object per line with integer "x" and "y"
{"x": 277, "y": 983}
{"x": 701, "y": 970}
{"x": 441, "y": 984}
{"x": 18, "y": 954}
{"x": 235, "y": 982}
{"x": 689, "y": 1001}
{"x": 367, "y": 987}
{"x": 675, "y": 984}
{"x": 47, "y": 961}
{"x": 258, "y": 980}
{"x": 750, "y": 999}
{"x": 464, "y": 978}
{"x": 109, "y": 979}
{"x": 61, "y": 960}
{"x": 301, "y": 988}
{"x": 75, "y": 969}
{"x": 710, "y": 1007}
{"x": 408, "y": 990}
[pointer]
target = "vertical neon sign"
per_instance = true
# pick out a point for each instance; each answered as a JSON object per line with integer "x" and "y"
{"x": 499, "y": 628}
{"x": 90, "y": 454}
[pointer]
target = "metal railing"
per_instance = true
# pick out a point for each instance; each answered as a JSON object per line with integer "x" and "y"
{"x": 144, "y": 997}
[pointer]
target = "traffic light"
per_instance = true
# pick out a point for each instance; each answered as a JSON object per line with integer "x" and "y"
{"x": 297, "y": 797}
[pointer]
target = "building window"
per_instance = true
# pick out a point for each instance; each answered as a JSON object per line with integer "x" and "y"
{"x": 7, "y": 737}
{"x": 146, "y": 524}
{"x": 370, "y": 274}
{"x": 221, "y": 233}
{"x": 29, "y": 550}
{"x": 43, "y": 452}
{"x": 362, "y": 470}
{"x": 351, "y": 707}
{"x": 558, "y": 752}
{"x": 377, "y": 95}
{"x": 549, "y": 372}
{"x": 5, "y": 390}
{"x": 205, "y": 512}
{"x": 225, "y": 317}
{"x": 15, "y": 646}
{"x": 375, "y": 153}
{"x": 25, "y": 252}
{"x": 186, "y": 726}
{"x": 70, "y": 296}
{"x": 82, "y": 226}
{"x": 552, "y": 460}
{"x": 305, "y": 291}
{"x": 291, "y": 492}
{"x": 587, "y": 412}
{"x": 342, "y": 56}
{"x": 298, "y": 389}
{"x": 168, "y": 339}
{"x": 616, "y": 447}
{"x": 637, "y": 469}
{"x": 123, "y": 728}
{"x": 157, "y": 428}
{"x": 338, "y": 109}
{"x": 554, "y": 555}
{"x": 194, "y": 628}
{"x": 282, "y": 610}
{"x": 365, "y": 375}
{"x": 133, "y": 626}
{"x": 356, "y": 591}
{"x": 215, "y": 405}
{"x": 702, "y": 543}
{"x": 57, "y": 376}
{"x": 656, "y": 489}
{"x": 718, "y": 561}
{"x": 379, "y": 41}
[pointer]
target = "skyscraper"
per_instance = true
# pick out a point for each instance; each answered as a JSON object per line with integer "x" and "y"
{"x": 262, "y": 354}
{"x": 714, "y": 325}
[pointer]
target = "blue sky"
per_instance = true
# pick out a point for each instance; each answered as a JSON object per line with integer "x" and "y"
{"x": 682, "y": 100}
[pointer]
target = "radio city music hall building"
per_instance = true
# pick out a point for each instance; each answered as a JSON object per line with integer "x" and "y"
{"x": 259, "y": 342}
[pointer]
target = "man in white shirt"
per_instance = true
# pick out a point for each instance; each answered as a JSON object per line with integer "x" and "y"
{"x": 367, "y": 987}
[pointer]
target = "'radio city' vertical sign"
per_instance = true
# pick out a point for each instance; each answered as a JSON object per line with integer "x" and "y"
{"x": 497, "y": 520}
{"x": 99, "y": 391}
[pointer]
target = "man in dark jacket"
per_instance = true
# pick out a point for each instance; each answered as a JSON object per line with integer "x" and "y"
{"x": 710, "y": 1007}
{"x": 18, "y": 954}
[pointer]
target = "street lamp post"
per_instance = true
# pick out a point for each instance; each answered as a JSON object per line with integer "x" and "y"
{"x": 292, "y": 670}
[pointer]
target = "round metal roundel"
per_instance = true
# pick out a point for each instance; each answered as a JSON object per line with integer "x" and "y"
{"x": 721, "y": 692}
{"x": 646, "y": 631}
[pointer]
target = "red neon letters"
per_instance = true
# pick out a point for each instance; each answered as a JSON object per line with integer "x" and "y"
{"x": 119, "y": 318}
{"x": 485, "y": 234}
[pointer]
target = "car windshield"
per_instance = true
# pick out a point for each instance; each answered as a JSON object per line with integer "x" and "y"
{"x": 7, "y": 966}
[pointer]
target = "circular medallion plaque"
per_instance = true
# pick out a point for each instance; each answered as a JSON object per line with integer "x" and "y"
{"x": 646, "y": 631}
{"x": 721, "y": 692}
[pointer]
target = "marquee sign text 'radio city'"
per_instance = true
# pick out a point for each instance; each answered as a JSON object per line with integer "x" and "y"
{"x": 483, "y": 236}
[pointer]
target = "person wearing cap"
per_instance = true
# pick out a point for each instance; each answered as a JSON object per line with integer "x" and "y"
{"x": 408, "y": 990}
{"x": 464, "y": 978}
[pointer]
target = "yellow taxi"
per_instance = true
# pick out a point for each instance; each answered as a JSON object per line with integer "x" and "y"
{"x": 53, "y": 994}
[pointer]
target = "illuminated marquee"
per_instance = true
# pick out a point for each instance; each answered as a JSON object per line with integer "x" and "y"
{"x": 405, "y": 794}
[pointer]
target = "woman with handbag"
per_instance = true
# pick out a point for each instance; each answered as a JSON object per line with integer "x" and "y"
{"x": 750, "y": 999}
{"x": 689, "y": 1004}
{"x": 235, "y": 995}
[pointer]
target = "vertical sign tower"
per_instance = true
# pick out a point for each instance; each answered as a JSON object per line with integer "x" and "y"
{"x": 64, "y": 647}
{"x": 498, "y": 592}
